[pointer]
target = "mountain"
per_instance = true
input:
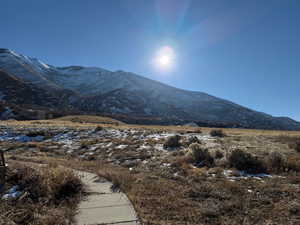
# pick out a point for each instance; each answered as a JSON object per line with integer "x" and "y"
{"x": 123, "y": 95}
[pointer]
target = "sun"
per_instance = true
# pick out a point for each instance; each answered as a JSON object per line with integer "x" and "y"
{"x": 165, "y": 58}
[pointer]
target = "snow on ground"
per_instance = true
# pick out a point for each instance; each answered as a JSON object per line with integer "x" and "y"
{"x": 20, "y": 138}
{"x": 43, "y": 64}
{"x": 244, "y": 175}
{"x": 115, "y": 141}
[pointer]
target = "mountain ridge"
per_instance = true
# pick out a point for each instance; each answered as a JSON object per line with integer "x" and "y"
{"x": 129, "y": 95}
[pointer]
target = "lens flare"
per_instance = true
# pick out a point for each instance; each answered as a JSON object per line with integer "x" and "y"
{"x": 165, "y": 58}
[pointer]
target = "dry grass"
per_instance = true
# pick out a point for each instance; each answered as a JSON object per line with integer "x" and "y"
{"x": 157, "y": 128}
{"x": 245, "y": 161}
{"x": 201, "y": 156}
{"x": 199, "y": 200}
{"x": 292, "y": 141}
{"x": 276, "y": 162}
{"x": 183, "y": 194}
{"x": 194, "y": 198}
{"x": 49, "y": 196}
{"x": 217, "y": 133}
{"x": 90, "y": 119}
{"x": 172, "y": 142}
{"x": 121, "y": 178}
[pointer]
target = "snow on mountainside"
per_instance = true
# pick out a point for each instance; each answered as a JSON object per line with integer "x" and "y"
{"x": 25, "y": 68}
{"x": 85, "y": 81}
{"x": 97, "y": 90}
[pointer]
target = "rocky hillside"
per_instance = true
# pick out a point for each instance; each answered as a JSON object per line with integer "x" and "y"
{"x": 123, "y": 95}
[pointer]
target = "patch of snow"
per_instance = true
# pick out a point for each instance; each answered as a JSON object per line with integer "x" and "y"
{"x": 245, "y": 175}
{"x": 12, "y": 193}
{"x": 258, "y": 175}
{"x": 24, "y": 138}
{"x": 159, "y": 147}
{"x": 205, "y": 137}
{"x": 160, "y": 136}
{"x": 166, "y": 164}
{"x": 93, "y": 148}
{"x": 144, "y": 147}
{"x": 43, "y": 64}
{"x": 121, "y": 146}
{"x": 15, "y": 54}
{"x": 27, "y": 69}
{"x": 109, "y": 145}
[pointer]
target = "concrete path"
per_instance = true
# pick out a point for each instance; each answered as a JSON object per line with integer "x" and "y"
{"x": 102, "y": 206}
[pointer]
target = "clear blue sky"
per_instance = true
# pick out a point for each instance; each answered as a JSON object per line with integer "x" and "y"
{"x": 244, "y": 51}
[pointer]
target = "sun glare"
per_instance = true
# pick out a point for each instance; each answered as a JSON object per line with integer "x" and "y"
{"x": 165, "y": 58}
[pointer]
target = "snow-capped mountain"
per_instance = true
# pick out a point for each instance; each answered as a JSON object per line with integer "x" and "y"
{"x": 125, "y": 95}
{"x": 25, "y": 68}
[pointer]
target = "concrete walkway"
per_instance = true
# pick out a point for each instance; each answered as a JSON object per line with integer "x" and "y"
{"x": 102, "y": 206}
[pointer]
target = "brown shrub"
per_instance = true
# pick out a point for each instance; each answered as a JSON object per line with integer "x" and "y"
{"x": 53, "y": 183}
{"x": 88, "y": 142}
{"x": 293, "y": 163}
{"x": 172, "y": 142}
{"x": 275, "y": 162}
{"x": 294, "y": 208}
{"x": 219, "y": 154}
{"x": 193, "y": 139}
{"x": 182, "y": 161}
{"x": 297, "y": 146}
{"x": 35, "y": 133}
{"x": 198, "y": 131}
{"x": 98, "y": 128}
{"x": 200, "y": 155}
{"x": 245, "y": 161}
{"x": 217, "y": 133}
{"x": 291, "y": 141}
{"x": 186, "y": 142}
{"x": 50, "y": 196}
{"x": 62, "y": 183}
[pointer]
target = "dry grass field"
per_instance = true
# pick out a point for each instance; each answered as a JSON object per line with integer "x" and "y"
{"x": 175, "y": 175}
{"x": 49, "y": 195}
{"x": 93, "y": 121}
{"x": 90, "y": 119}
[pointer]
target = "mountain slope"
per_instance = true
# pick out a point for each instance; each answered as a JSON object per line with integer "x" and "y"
{"x": 25, "y": 68}
{"x": 21, "y": 100}
{"x": 16, "y": 91}
{"x": 127, "y": 95}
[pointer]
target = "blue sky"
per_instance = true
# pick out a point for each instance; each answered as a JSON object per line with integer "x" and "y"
{"x": 244, "y": 51}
